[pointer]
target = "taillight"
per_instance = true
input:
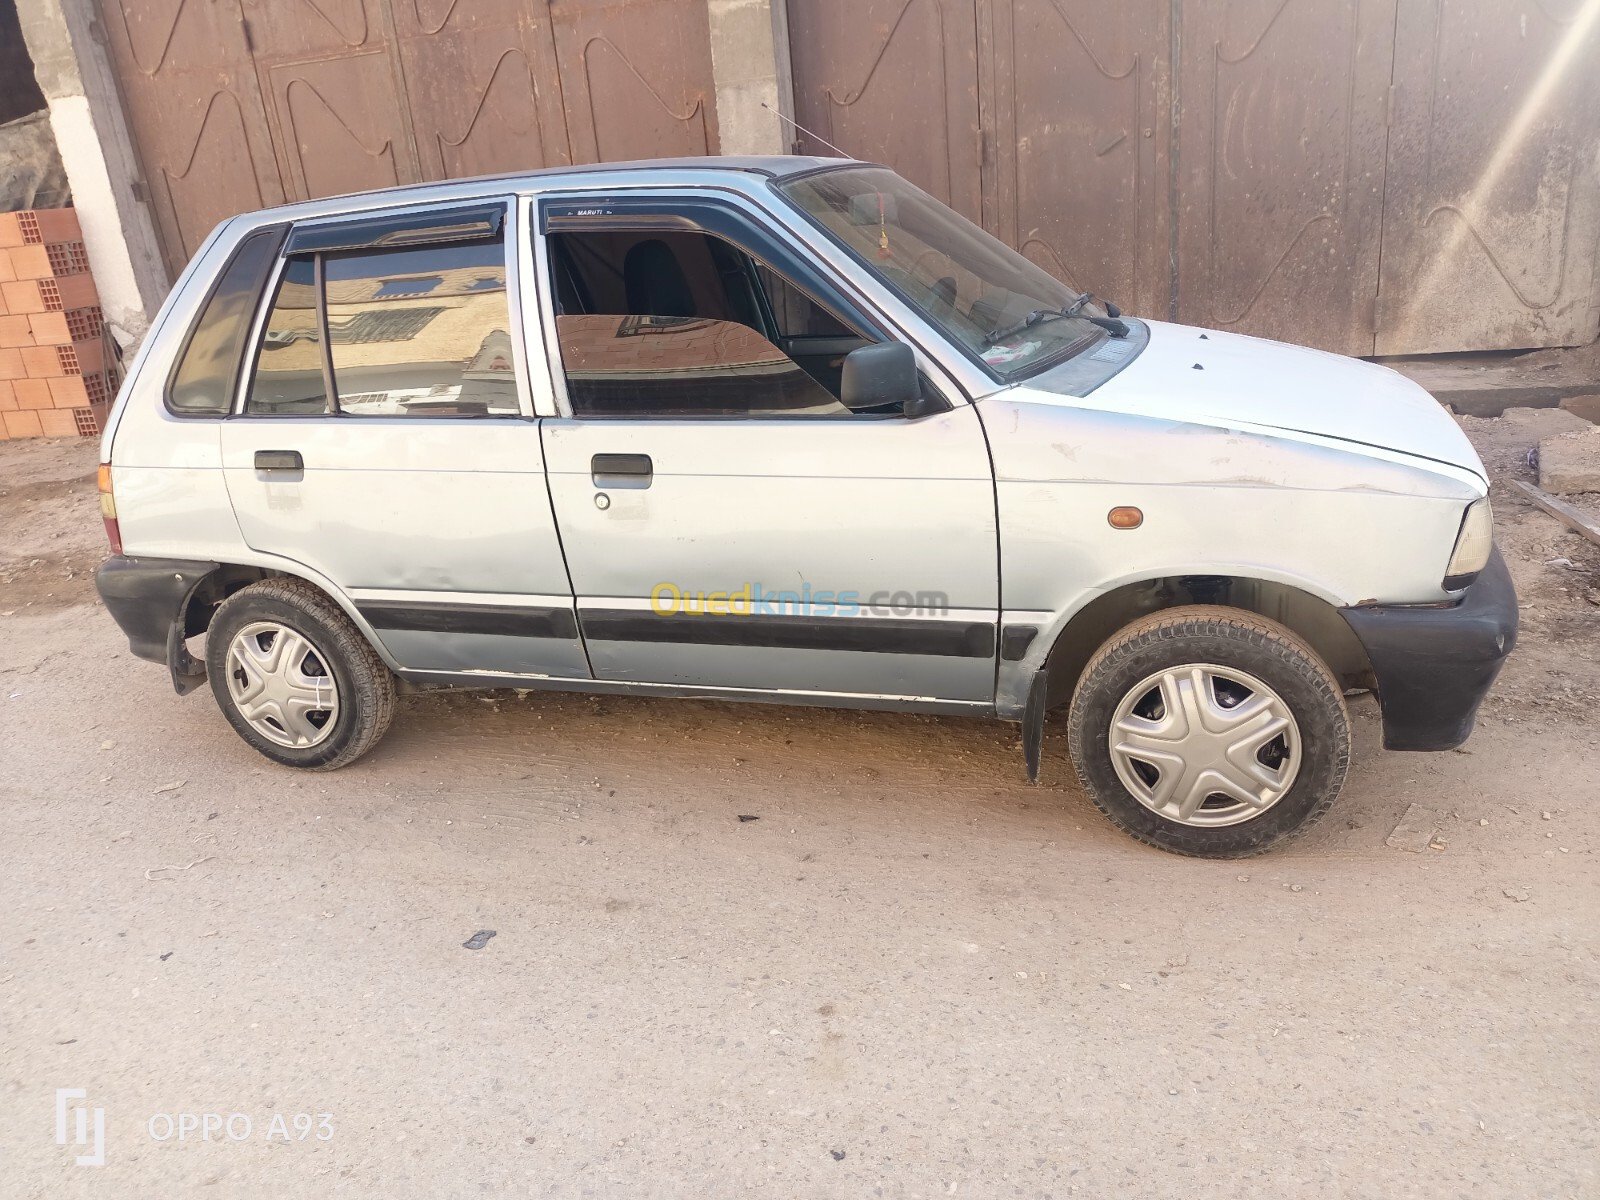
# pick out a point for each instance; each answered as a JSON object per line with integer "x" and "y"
{"x": 108, "y": 509}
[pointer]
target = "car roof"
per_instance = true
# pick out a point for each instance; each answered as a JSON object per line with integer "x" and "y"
{"x": 772, "y": 166}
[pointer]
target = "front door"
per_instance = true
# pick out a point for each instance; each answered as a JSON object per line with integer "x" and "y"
{"x": 728, "y": 521}
{"x": 382, "y": 443}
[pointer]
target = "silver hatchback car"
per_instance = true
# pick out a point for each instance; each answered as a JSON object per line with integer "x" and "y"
{"x": 789, "y": 430}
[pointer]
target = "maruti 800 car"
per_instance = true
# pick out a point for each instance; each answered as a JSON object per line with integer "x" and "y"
{"x": 790, "y": 430}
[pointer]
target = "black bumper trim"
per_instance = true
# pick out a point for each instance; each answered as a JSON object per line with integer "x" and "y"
{"x": 1434, "y": 664}
{"x": 146, "y": 596}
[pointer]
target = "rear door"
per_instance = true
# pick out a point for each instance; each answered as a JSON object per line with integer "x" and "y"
{"x": 384, "y": 441}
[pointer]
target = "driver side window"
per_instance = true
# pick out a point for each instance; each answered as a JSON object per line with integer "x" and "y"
{"x": 672, "y": 323}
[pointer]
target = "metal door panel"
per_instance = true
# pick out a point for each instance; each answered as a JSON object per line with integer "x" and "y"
{"x": 282, "y": 30}
{"x": 486, "y": 118}
{"x": 1492, "y": 217}
{"x": 1080, "y": 101}
{"x": 347, "y": 111}
{"x": 430, "y": 507}
{"x": 236, "y": 105}
{"x": 894, "y": 82}
{"x": 636, "y": 78}
{"x": 196, "y": 115}
{"x": 1282, "y": 151}
{"x": 482, "y": 86}
{"x": 848, "y": 504}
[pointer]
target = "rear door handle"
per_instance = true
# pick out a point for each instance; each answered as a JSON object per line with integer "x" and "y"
{"x": 279, "y": 460}
{"x": 621, "y": 470}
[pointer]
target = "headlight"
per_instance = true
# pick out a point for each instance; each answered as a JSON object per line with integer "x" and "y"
{"x": 1473, "y": 545}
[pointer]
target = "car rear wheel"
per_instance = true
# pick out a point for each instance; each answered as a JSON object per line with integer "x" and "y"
{"x": 1209, "y": 731}
{"x": 295, "y": 678}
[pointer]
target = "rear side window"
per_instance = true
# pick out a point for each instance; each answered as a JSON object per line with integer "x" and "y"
{"x": 203, "y": 381}
{"x": 421, "y": 332}
{"x": 409, "y": 331}
{"x": 289, "y": 379}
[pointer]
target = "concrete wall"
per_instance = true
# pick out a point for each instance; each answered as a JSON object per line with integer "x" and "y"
{"x": 97, "y": 151}
{"x": 750, "y": 65}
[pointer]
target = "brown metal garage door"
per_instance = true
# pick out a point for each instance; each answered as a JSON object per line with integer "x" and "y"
{"x": 1491, "y": 231}
{"x": 1388, "y": 176}
{"x": 236, "y": 104}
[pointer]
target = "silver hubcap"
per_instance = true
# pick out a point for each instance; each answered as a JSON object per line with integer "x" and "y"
{"x": 281, "y": 685}
{"x": 1205, "y": 745}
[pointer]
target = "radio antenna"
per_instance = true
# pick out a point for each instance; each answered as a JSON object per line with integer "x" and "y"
{"x": 814, "y": 137}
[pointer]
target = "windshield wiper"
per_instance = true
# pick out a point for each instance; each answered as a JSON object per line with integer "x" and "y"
{"x": 1027, "y": 322}
{"x": 1109, "y": 323}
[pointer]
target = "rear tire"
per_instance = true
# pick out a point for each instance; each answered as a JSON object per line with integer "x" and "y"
{"x": 1209, "y": 731}
{"x": 295, "y": 678}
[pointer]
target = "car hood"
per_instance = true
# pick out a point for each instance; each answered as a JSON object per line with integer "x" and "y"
{"x": 1188, "y": 374}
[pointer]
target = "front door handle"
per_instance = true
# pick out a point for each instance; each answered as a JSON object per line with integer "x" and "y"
{"x": 279, "y": 460}
{"x": 621, "y": 470}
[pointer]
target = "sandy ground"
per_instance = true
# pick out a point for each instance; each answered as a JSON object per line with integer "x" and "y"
{"x": 911, "y": 976}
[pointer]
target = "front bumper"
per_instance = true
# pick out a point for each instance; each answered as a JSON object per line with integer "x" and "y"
{"x": 1434, "y": 664}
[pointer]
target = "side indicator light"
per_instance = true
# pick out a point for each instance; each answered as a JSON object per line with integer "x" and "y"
{"x": 1125, "y": 518}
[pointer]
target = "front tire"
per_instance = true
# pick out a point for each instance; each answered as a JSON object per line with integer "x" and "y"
{"x": 1209, "y": 731}
{"x": 295, "y": 678}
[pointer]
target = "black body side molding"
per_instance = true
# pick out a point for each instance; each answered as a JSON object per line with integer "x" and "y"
{"x": 879, "y": 635}
{"x": 504, "y": 620}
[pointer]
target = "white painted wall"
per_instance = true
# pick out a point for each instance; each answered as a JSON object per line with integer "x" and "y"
{"x": 79, "y": 144}
{"x": 96, "y": 149}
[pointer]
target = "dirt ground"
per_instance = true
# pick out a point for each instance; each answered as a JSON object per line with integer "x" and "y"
{"x": 911, "y": 975}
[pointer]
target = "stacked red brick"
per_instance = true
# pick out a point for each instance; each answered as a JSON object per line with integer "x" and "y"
{"x": 52, "y": 381}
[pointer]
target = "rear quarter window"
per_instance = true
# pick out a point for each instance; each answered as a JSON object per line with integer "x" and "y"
{"x": 203, "y": 380}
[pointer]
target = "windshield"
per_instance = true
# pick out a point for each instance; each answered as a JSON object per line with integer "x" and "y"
{"x": 990, "y": 300}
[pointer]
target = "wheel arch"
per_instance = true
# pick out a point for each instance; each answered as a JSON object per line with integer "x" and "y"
{"x": 1313, "y": 617}
{"x": 208, "y": 594}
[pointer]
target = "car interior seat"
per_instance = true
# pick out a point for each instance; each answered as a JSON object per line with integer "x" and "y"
{"x": 655, "y": 283}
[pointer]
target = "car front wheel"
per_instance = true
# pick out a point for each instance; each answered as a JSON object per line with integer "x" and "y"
{"x": 1209, "y": 731}
{"x": 295, "y": 678}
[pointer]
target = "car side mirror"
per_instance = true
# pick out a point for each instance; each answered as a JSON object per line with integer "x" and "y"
{"x": 882, "y": 376}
